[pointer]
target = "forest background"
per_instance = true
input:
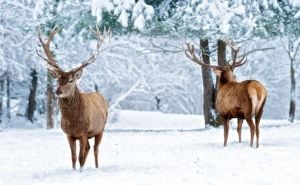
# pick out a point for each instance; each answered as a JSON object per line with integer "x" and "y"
{"x": 143, "y": 67}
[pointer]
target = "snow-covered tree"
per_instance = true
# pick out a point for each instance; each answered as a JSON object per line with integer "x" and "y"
{"x": 281, "y": 19}
{"x": 143, "y": 67}
{"x": 16, "y": 51}
{"x": 128, "y": 13}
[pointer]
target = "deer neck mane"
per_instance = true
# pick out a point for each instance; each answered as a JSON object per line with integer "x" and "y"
{"x": 70, "y": 106}
{"x": 221, "y": 83}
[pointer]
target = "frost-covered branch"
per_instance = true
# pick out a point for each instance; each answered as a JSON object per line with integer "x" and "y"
{"x": 124, "y": 95}
{"x": 297, "y": 46}
{"x": 259, "y": 49}
{"x": 162, "y": 48}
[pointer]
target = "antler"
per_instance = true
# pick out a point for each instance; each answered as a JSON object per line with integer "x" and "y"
{"x": 190, "y": 53}
{"x": 51, "y": 63}
{"x": 236, "y": 63}
{"x": 101, "y": 38}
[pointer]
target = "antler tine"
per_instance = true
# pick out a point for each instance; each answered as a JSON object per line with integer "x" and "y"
{"x": 40, "y": 55}
{"x": 51, "y": 63}
{"x": 240, "y": 62}
{"x": 234, "y": 53}
{"x": 53, "y": 32}
{"x": 101, "y": 38}
{"x": 236, "y": 63}
{"x": 190, "y": 53}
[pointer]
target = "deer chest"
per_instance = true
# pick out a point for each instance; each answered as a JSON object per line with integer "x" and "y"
{"x": 75, "y": 125}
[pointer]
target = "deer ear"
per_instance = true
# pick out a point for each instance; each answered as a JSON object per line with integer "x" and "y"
{"x": 77, "y": 75}
{"x": 217, "y": 71}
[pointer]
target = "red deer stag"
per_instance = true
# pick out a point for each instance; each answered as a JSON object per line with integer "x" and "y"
{"x": 83, "y": 115}
{"x": 241, "y": 100}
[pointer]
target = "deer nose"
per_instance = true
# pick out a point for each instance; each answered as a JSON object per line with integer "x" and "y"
{"x": 58, "y": 91}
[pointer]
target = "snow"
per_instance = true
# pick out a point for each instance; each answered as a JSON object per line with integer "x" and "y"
{"x": 275, "y": 4}
{"x": 297, "y": 15}
{"x": 37, "y": 9}
{"x": 123, "y": 9}
{"x": 151, "y": 150}
{"x": 156, "y": 121}
{"x": 139, "y": 23}
{"x": 123, "y": 18}
{"x": 149, "y": 11}
{"x": 98, "y": 6}
{"x": 265, "y": 4}
{"x": 138, "y": 8}
{"x": 295, "y": 3}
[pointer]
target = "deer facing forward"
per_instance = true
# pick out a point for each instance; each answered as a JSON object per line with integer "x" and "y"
{"x": 83, "y": 115}
{"x": 242, "y": 100}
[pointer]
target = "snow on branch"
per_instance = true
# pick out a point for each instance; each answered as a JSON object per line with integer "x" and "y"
{"x": 124, "y": 95}
{"x": 140, "y": 11}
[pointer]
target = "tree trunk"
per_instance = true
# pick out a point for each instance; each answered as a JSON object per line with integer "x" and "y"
{"x": 96, "y": 88}
{"x": 221, "y": 53}
{"x": 221, "y": 62}
{"x": 1, "y": 97}
{"x": 292, "y": 93}
{"x": 157, "y": 99}
{"x": 221, "y": 57}
{"x": 208, "y": 88}
{"x": 8, "y": 96}
{"x": 31, "y": 100}
{"x": 50, "y": 102}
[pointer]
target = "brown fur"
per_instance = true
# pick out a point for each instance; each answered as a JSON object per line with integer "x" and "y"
{"x": 83, "y": 116}
{"x": 242, "y": 100}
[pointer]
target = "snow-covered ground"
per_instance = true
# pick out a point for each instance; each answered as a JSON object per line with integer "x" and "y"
{"x": 154, "y": 148}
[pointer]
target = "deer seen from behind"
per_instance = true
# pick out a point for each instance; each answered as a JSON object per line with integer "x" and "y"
{"x": 83, "y": 115}
{"x": 241, "y": 100}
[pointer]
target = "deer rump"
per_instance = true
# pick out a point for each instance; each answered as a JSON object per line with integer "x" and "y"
{"x": 89, "y": 118}
{"x": 232, "y": 97}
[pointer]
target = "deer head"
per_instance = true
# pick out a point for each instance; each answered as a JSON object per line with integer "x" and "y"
{"x": 225, "y": 73}
{"x": 67, "y": 80}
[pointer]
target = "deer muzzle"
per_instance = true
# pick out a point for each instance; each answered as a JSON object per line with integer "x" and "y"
{"x": 58, "y": 91}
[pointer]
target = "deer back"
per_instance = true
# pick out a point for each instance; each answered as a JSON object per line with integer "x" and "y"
{"x": 234, "y": 99}
{"x": 240, "y": 99}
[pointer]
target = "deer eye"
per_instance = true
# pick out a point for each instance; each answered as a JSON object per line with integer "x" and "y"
{"x": 70, "y": 81}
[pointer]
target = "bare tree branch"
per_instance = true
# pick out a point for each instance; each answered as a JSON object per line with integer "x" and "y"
{"x": 124, "y": 95}
{"x": 259, "y": 49}
{"x": 255, "y": 50}
{"x": 297, "y": 49}
{"x": 285, "y": 48}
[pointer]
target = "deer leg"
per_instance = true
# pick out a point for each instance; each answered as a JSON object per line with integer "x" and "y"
{"x": 257, "y": 121}
{"x": 87, "y": 149}
{"x": 72, "y": 143}
{"x": 239, "y": 129}
{"x": 257, "y": 131}
{"x": 83, "y": 144}
{"x": 98, "y": 139}
{"x": 252, "y": 129}
{"x": 226, "y": 127}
